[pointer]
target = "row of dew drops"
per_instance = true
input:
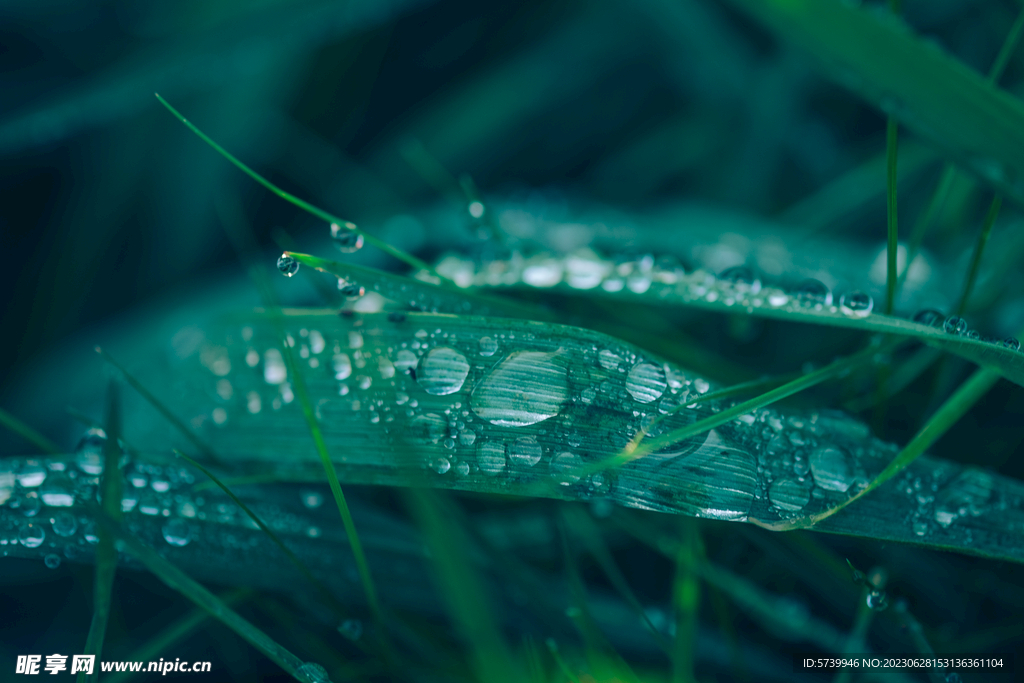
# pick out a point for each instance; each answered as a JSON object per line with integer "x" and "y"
{"x": 584, "y": 269}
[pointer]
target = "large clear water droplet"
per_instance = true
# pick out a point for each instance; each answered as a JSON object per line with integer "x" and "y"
{"x": 789, "y": 494}
{"x": 831, "y": 468}
{"x": 442, "y": 371}
{"x": 177, "y": 532}
{"x": 646, "y": 382}
{"x": 345, "y": 237}
{"x": 856, "y": 303}
{"x": 287, "y": 265}
{"x": 525, "y": 451}
{"x": 490, "y": 457}
{"x": 524, "y": 389}
{"x": 1012, "y": 343}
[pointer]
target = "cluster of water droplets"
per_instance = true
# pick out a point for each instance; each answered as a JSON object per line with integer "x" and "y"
{"x": 957, "y": 326}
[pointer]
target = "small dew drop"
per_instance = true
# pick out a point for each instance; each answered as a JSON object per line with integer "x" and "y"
{"x": 350, "y": 289}
{"x": 488, "y": 347}
{"x": 490, "y": 457}
{"x": 32, "y": 535}
{"x": 954, "y": 325}
{"x": 352, "y": 629}
{"x": 64, "y": 524}
{"x": 877, "y": 600}
{"x": 346, "y": 238}
{"x": 442, "y": 371}
{"x": 287, "y": 265}
{"x": 856, "y": 303}
{"x": 441, "y": 464}
{"x": 929, "y": 317}
{"x": 312, "y": 499}
{"x": 813, "y": 292}
{"x": 476, "y": 209}
{"x": 525, "y": 451}
{"x": 89, "y": 452}
{"x": 51, "y": 561}
{"x": 1012, "y": 343}
{"x": 314, "y": 673}
{"x": 608, "y": 360}
{"x": 646, "y": 382}
{"x": 564, "y": 466}
{"x": 177, "y": 533}
{"x": 742, "y": 278}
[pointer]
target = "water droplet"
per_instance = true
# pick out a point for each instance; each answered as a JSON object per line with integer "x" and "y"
{"x": 476, "y": 209}
{"x": 488, "y": 347}
{"x": 856, "y": 303}
{"x": 646, "y": 382}
{"x": 813, "y": 292}
{"x": 954, "y": 325}
{"x": 30, "y": 505}
{"x": 177, "y": 532}
{"x": 442, "y": 371}
{"x": 725, "y": 475}
{"x": 584, "y": 269}
{"x": 742, "y": 278}
{"x": 525, "y": 388}
{"x": 789, "y": 494}
{"x": 929, "y": 317}
{"x": 467, "y": 437}
{"x": 920, "y": 527}
{"x": 64, "y": 524}
{"x": 312, "y": 499}
{"x": 543, "y": 272}
{"x": 525, "y": 451}
{"x": 351, "y": 629}
{"x": 89, "y": 452}
{"x": 877, "y": 600}
{"x": 345, "y": 237}
{"x": 314, "y": 673}
{"x": 287, "y": 265}
{"x": 32, "y": 535}
{"x": 608, "y": 360}
{"x": 831, "y": 468}
{"x": 1012, "y": 344}
{"x": 490, "y": 457}
{"x": 274, "y": 369}
{"x": 441, "y": 464}
{"x": 564, "y": 467}
{"x": 428, "y": 428}
{"x": 350, "y": 289}
{"x": 31, "y": 475}
{"x": 406, "y": 360}
{"x": 51, "y": 561}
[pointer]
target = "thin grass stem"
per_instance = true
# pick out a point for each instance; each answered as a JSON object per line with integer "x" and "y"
{"x": 979, "y": 249}
{"x": 24, "y": 431}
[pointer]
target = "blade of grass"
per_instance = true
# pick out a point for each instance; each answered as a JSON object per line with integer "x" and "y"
{"x": 927, "y": 90}
{"x": 174, "y": 633}
{"x": 591, "y": 535}
{"x": 891, "y": 153}
{"x": 27, "y": 433}
{"x": 557, "y": 656}
{"x": 408, "y": 259}
{"x": 686, "y": 604}
{"x": 979, "y": 249}
{"x": 177, "y": 580}
{"x": 162, "y": 409}
{"x": 106, "y": 553}
{"x": 338, "y": 608}
{"x": 462, "y": 589}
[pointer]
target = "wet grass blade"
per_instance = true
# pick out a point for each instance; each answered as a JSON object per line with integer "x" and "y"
{"x": 106, "y": 554}
{"x": 891, "y": 153}
{"x": 24, "y": 431}
{"x": 162, "y": 409}
{"x": 686, "y": 604}
{"x": 408, "y": 259}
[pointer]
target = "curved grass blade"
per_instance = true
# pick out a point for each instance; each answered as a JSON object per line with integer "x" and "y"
{"x": 421, "y": 401}
{"x": 408, "y": 259}
{"x": 24, "y": 431}
{"x": 928, "y": 91}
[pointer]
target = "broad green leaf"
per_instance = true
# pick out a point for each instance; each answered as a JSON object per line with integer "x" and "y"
{"x": 520, "y": 407}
